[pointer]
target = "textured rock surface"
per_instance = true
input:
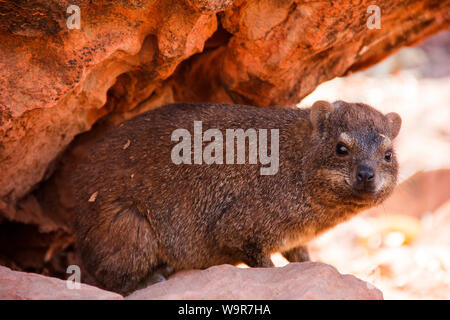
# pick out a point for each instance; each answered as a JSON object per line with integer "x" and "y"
{"x": 56, "y": 83}
{"x": 30, "y": 286}
{"x": 308, "y": 280}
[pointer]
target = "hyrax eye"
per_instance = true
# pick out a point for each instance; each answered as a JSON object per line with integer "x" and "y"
{"x": 341, "y": 149}
{"x": 388, "y": 155}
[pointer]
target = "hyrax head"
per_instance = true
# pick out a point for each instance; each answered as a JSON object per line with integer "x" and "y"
{"x": 356, "y": 160}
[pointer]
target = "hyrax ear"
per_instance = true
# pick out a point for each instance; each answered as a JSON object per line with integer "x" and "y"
{"x": 394, "y": 123}
{"x": 320, "y": 111}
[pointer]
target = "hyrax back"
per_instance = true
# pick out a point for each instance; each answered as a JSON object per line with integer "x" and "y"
{"x": 139, "y": 212}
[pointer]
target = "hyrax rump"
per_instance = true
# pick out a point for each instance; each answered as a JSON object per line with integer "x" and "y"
{"x": 139, "y": 213}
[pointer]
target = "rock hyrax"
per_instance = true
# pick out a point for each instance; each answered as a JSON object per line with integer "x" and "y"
{"x": 140, "y": 215}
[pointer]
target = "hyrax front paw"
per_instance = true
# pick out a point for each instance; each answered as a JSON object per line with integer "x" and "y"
{"x": 298, "y": 254}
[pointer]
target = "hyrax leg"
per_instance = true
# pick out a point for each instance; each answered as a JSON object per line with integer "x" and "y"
{"x": 256, "y": 257}
{"x": 298, "y": 254}
{"x": 159, "y": 275}
{"x": 117, "y": 244}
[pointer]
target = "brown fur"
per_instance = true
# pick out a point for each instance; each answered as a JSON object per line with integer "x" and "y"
{"x": 151, "y": 215}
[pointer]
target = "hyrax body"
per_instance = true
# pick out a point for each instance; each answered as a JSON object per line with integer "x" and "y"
{"x": 139, "y": 213}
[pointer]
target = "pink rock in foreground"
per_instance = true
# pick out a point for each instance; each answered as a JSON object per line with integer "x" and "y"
{"x": 308, "y": 280}
{"x": 31, "y": 286}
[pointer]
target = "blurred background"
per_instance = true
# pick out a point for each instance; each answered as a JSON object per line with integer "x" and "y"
{"x": 403, "y": 246}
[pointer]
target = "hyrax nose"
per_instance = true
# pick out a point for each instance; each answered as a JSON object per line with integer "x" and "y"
{"x": 365, "y": 174}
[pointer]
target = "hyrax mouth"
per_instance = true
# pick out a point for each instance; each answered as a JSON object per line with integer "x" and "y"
{"x": 365, "y": 179}
{"x": 365, "y": 194}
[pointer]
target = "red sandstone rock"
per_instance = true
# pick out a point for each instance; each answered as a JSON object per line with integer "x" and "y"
{"x": 30, "y": 286}
{"x": 308, "y": 280}
{"x": 54, "y": 81}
